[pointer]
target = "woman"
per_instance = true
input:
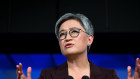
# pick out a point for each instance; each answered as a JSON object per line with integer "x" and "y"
{"x": 75, "y": 34}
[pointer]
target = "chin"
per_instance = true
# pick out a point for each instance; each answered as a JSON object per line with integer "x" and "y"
{"x": 70, "y": 52}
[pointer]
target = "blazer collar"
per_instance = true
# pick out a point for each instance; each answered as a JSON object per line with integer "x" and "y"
{"x": 62, "y": 71}
{"x": 95, "y": 72}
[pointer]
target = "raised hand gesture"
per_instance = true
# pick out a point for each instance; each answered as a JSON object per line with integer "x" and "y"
{"x": 137, "y": 71}
{"x": 20, "y": 74}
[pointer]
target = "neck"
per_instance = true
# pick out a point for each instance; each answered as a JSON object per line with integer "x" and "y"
{"x": 78, "y": 61}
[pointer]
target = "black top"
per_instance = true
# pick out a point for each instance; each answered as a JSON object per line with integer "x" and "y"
{"x": 61, "y": 72}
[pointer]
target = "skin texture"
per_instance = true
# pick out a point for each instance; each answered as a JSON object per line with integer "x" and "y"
{"x": 137, "y": 71}
{"x": 20, "y": 74}
{"x": 80, "y": 43}
{"x": 77, "y": 54}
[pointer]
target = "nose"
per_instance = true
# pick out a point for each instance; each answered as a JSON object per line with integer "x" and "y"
{"x": 68, "y": 38}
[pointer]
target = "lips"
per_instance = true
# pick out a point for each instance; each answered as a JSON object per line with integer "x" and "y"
{"x": 69, "y": 45}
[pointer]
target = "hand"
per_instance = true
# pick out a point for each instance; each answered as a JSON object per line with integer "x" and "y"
{"x": 137, "y": 71}
{"x": 20, "y": 74}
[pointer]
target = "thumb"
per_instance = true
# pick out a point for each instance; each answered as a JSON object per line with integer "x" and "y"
{"x": 29, "y": 72}
{"x": 129, "y": 70}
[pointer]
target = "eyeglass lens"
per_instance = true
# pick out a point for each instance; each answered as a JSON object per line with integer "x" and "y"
{"x": 73, "y": 33}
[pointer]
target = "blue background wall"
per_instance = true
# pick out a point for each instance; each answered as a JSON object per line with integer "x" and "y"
{"x": 41, "y": 61}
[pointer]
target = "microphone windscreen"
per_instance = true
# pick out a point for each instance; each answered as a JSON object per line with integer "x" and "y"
{"x": 85, "y": 77}
{"x": 69, "y": 77}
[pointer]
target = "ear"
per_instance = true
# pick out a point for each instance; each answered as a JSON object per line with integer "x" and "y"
{"x": 90, "y": 39}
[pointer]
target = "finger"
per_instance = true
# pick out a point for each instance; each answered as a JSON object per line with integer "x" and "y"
{"x": 29, "y": 72}
{"x": 137, "y": 69}
{"x": 129, "y": 70}
{"x": 137, "y": 61}
{"x": 17, "y": 66}
{"x": 18, "y": 75}
{"x": 17, "y": 69}
{"x": 17, "y": 72}
{"x": 137, "y": 64}
{"x": 21, "y": 75}
{"x": 20, "y": 66}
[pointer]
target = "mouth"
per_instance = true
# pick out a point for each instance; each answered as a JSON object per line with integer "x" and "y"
{"x": 69, "y": 45}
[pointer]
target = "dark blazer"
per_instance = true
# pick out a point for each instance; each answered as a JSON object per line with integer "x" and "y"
{"x": 60, "y": 72}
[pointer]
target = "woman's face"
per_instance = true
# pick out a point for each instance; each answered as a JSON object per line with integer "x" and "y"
{"x": 73, "y": 45}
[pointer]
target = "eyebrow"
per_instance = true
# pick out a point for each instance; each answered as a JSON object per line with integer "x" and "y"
{"x": 65, "y": 30}
{"x": 69, "y": 28}
{"x": 74, "y": 28}
{"x": 61, "y": 31}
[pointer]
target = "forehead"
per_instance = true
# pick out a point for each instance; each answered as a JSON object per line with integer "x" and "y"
{"x": 70, "y": 24}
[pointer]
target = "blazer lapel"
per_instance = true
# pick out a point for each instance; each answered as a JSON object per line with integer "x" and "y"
{"x": 61, "y": 71}
{"x": 95, "y": 72}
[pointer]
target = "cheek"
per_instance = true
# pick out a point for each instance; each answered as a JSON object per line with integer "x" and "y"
{"x": 82, "y": 41}
{"x": 61, "y": 45}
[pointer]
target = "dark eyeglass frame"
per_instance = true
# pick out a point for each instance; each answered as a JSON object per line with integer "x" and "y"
{"x": 70, "y": 31}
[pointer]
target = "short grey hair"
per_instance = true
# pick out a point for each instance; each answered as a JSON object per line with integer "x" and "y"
{"x": 84, "y": 21}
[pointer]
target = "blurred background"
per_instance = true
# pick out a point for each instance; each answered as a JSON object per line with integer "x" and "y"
{"x": 27, "y": 34}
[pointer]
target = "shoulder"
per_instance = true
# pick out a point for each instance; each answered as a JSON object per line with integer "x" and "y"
{"x": 108, "y": 73}
{"x": 51, "y": 72}
{"x": 103, "y": 72}
{"x": 98, "y": 69}
{"x": 46, "y": 72}
{"x": 56, "y": 68}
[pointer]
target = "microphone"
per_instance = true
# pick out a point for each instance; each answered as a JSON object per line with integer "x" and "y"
{"x": 69, "y": 77}
{"x": 85, "y": 77}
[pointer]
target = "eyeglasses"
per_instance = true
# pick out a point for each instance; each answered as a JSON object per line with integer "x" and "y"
{"x": 73, "y": 32}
